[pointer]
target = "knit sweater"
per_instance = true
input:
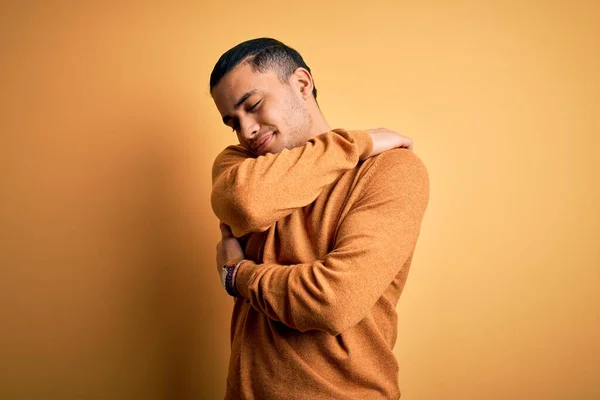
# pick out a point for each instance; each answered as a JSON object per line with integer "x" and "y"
{"x": 329, "y": 234}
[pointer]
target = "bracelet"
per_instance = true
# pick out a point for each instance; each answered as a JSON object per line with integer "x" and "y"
{"x": 230, "y": 279}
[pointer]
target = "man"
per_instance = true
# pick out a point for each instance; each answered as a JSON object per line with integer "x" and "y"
{"x": 318, "y": 230}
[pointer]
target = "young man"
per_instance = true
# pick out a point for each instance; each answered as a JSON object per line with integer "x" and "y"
{"x": 318, "y": 229}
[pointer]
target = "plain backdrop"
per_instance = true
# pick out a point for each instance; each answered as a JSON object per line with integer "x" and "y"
{"x": 108, "y": 287}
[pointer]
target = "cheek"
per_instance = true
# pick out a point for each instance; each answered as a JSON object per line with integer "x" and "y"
{"x": 269, "y": 116}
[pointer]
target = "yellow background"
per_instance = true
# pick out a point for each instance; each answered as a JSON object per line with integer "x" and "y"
{"x": 108, "y": 288}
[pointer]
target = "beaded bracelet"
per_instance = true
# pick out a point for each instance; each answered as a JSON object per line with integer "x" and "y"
{"x": 230, "y": 279}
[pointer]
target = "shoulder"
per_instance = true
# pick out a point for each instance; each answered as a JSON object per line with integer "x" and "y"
{"x": 397, "y": 164}
{"x": 398, "y": 176}
{"x": 396, "y": 156}
{"x": 395, "y": 182}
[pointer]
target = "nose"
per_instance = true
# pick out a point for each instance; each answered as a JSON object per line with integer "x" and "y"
{"x": 249, "y": 128}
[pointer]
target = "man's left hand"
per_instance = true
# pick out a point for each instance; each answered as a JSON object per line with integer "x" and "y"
{"x": 227, "y": 249}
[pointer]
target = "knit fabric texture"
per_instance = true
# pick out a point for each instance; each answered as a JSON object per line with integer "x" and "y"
{"x": 329, "y": 233}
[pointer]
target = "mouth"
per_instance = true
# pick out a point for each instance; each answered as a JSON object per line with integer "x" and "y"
{"x": 264, "y": 143}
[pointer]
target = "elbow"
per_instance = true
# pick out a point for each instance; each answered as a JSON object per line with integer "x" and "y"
{"x": 329, "y": 304}
{"x": 239, "y": 212}
{"x": 252, "y": 214}
{"x": 339, "y": 319}
{"x": 336, "y": 325}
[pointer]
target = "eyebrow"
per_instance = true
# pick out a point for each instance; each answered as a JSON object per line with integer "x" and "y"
{"x": 239, "y": 103}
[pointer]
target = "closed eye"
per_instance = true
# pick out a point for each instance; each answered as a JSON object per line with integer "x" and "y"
{"x": 254, "y": 106}
{"x": 251, "y": 108}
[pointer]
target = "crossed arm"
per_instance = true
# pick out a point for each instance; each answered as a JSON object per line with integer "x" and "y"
{"x": 337, "y": 292}
{"x": 250, "y": 193}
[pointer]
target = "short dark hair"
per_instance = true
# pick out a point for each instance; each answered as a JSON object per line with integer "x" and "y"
{"x": 263, "y": 54}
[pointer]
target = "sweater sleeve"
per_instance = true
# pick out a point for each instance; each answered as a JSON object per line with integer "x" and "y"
{"x": 375, "y": 239}
{"x": 251, "y": 193}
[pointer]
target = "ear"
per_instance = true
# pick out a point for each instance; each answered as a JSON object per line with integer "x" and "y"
{"x": 303, "y": 81}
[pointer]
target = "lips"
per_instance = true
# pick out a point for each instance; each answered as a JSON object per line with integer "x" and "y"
{"x": 260, "y": 142}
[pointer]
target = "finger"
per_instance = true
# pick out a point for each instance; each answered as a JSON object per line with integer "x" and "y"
{"x": 225, "y": 230}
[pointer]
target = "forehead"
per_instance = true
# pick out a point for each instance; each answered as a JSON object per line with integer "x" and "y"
{"x": 239, "y": 81}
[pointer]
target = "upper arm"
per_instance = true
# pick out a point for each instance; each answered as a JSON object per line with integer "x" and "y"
{"x": 378, "y": 235}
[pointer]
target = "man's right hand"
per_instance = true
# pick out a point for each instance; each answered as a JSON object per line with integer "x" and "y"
{"x": 385, "y": 139}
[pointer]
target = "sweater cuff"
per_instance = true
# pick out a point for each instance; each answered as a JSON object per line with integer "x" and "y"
{"x": 364, "y": 142}
{"x": 244, "y": 277}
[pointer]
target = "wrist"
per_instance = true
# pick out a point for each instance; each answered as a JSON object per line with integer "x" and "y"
{"x": 231, "y": 268}
{"x": 366, "y": 143}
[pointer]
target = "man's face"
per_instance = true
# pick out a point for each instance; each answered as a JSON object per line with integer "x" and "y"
{"x": 266, "y": 114}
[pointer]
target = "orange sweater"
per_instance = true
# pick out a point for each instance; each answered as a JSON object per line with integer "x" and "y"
{"x": 330, "y": 234}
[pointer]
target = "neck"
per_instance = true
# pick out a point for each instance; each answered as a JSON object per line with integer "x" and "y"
{"x": 319, "y": 124}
